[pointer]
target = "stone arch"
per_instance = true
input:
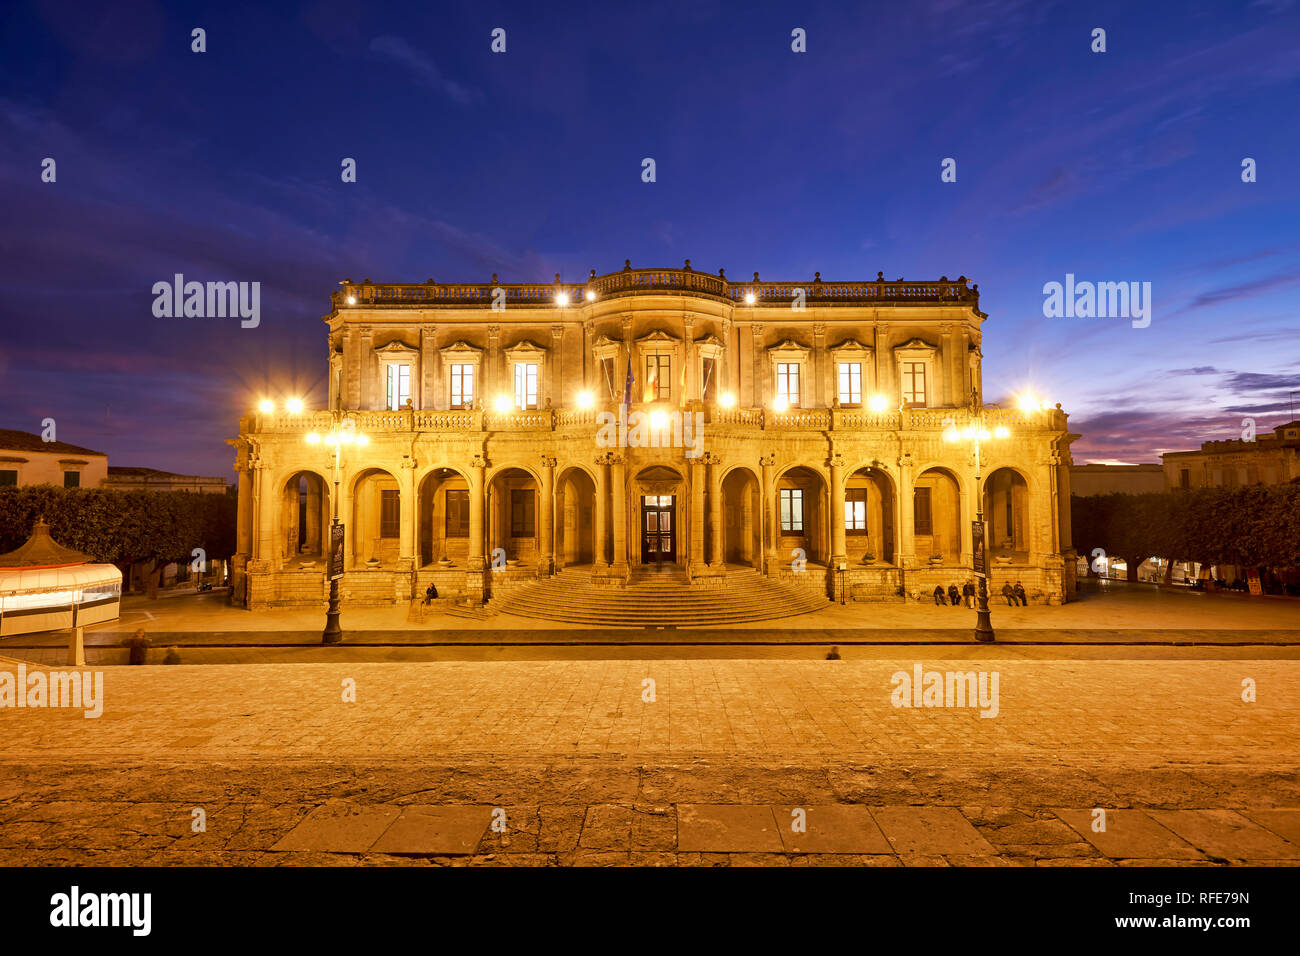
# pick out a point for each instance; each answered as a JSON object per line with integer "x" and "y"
{"x": 870, "y": 506}
{"x": 937, "y": 515}
{"x": 575, "y": 518}
{"x": 302, "y": 518}
{"x": 513, "y": 515}
{"x": 742, "y": 503}
{"x": 376, "y": 525}
{"x": 442, "y": 517}
{"x": 801, "y": 519}
{"x": 1007, "y": 513}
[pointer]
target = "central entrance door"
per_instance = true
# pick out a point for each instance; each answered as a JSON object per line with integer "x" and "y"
{"x": 658, "y": 528}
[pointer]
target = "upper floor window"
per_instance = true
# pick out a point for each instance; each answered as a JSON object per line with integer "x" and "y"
{"x": 792, "y": 511}
{"x": 609, "y": 373}
{"x": 72, "y": 479}
{"x": 8, "y": 477}
{"x": 1184, "y": 478}
{"x": 658, "y": 377}
{"x": 525, "y": 385}
{"x": 399, "y": 385}
{"x": 855, "y": 510}
{"x": 462, "y": 385}
{"x": 787, "y": 383}
{"x": 914, "y": 392}
{"x": 850, "y": 383}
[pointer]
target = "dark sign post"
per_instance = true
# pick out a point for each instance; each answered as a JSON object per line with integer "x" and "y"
{"x": 979, "y": 558}
{"x": 333, "y": 634}
{"x": 977, "y": 539}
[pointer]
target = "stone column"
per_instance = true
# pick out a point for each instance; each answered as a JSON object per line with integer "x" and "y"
{"x": 760, "y": 372}
{"x": 491, "y": 373}
{"x": 599, "y": 551}
{"x": 839, "y": 549}
{"x": 717, "y": 531}
{"x": 430, "y": 364}
{"x": 474, "y": 583}
{"x": 365, "y": 363}
{"x": 406, "y": 505}
{"x": 694, "y": 385}
{"x": 747, "y": 528}
{"x": 967, "y": 491}
{"x": 313, "y": 516}
{"x": 555, "y": 369}
{"x": 695, "y": 560}
{"x": 905, "y": 548}
{"x": 244, "y": 524}
{"x": 820, "y": 396}
{"x": 766, "y": 517}
{"x": 263, "y": 515}
{"x": 546, "y": 516}
{"x": 618, "y": 493}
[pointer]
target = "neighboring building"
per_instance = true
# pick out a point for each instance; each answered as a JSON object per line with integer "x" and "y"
{"x": 1095, "y": 479}
{"x": 796, "y": 423}
{"x": 151, "y": 479}
{"x": 26, "y": 459}
{"x": 1271, "y": 459}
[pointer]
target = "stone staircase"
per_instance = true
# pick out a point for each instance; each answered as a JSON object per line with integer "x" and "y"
{"x": 657, "y": 599}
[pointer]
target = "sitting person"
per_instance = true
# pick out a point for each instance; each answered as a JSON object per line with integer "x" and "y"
{"x": 430, "y": 593}
{"x": 1019, "y": 591}
{"x": 954, "y": 596}
{"x": 939, "y": 594}
{"x": 1009, "y": 593}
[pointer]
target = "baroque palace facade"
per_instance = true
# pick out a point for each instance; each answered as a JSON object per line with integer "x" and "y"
{"x": 816, "y": 433}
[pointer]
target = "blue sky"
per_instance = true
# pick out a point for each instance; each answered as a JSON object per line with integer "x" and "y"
{"x": 1115, "y": 166}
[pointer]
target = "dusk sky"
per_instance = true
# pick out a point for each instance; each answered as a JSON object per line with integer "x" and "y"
{"x": 225, "y": 165}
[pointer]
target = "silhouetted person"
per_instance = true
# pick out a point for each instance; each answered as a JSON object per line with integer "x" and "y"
{"x": 1020, "y": 594}
{"x": 139, "y": 645}
{"x": 834, "y": 655}
{"x": 173, "y": 656}
{"x": 954, "y": 596}
{"x": 939, "y": 595}
{"x": 968, "y": 592}
{"x": 1009, "y": 593}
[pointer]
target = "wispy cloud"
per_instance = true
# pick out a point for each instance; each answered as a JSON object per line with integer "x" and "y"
{"x": 422, "y": 67}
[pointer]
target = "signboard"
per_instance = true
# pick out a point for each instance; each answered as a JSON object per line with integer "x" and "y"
{"x": 1252, "y": 582}
{"x": 977, "y": 545}
{"x": 336, "y": 551}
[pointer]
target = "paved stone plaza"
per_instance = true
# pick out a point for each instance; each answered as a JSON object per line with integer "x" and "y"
{"x": 582, "y": 768}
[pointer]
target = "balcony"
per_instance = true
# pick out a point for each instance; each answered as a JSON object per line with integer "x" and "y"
{"x": 629, "y": 281}
{"x": 377, "y": 423}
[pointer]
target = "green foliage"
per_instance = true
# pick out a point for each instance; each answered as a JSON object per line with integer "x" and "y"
{"x": 121, "y": 526}
{"x": 1258, "y": 525}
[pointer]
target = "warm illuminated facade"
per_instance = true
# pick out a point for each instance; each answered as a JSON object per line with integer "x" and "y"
{"x": 790, "y": 428}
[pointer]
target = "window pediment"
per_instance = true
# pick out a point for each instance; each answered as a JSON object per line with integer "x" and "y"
{"x": 460, "y": 351}
{"x": 915, "y": 348}
{"x": 525, "y": 351}
{"x": 851, "y": 349}
{"x": 396, "y": 351}
{"x": 788, "y": 351}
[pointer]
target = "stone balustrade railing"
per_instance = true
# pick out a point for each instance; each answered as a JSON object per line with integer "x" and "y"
{"x": 377, "y": 423}
{"x": 631, "y": 281}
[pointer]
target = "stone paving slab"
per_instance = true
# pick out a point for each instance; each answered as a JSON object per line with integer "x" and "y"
{"x": 1285, "y": 823}
{"x": 930, "y": 831}
{"x": 435, "y": 831}
{"x": 1131, "y": 834}
{"x": 832, "y": 828}
{"x": 1226, "y": 834}
{"x": 727, "y": 829}
{"x": 339, "y": 828}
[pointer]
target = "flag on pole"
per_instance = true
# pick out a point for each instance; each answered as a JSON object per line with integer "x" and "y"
{"x": 627, "y": 384}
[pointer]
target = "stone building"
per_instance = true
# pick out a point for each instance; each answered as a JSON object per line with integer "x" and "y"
{"x": 1100, "y": 479}
{"x": 814, "y": 434}
{"x": 1269, "y": 459}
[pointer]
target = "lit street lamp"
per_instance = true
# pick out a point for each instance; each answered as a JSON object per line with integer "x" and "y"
{"x": 341, "y": 433}
{"x": 975, "y": 433}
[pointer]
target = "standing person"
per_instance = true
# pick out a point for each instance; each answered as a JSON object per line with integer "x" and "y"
{"x": 834, "y": 655}
{"x": 938, "y": 595}
{"x": 1020, "y": 594}
{"x": 968, "y": 592}
{"x": 1009, "y": 593}
{"x": 954, "y": 596}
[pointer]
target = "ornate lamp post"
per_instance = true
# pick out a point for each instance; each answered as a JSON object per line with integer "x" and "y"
{"x": 341, "y": 433}
{"x": 975, "y": 433}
